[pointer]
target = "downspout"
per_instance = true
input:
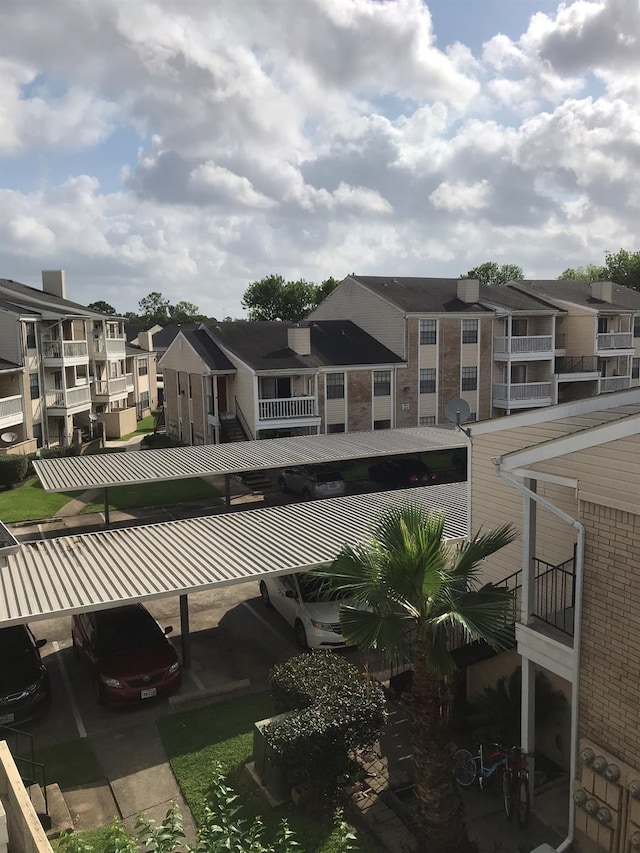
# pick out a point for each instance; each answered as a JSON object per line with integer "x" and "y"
{"x": 577, "y": 627}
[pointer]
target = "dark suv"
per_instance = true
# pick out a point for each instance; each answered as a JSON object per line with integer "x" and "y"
{"x": 312, "y": 481}
{"x": 24, "y": 681}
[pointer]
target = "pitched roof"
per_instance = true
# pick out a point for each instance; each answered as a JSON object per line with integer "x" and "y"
{"x": 8, "y": 365}
{"x": 264, "y": 345}
{"x": 580, "y": 293}
{"x": 23, "y": 296}
{"x": 166, "y": 335}
{"x": 208, "y": 350}
{"x": 440, "y": 296}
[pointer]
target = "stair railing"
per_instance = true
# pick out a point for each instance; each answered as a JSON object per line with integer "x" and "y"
{"x": 31, "y": 772}
{"x": 244, "y": 423}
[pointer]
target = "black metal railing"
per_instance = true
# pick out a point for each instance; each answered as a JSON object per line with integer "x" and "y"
{"x": 21, "y": 748}
{"x": 244, "y": 423}
{"x": 555, "y": 594}
{"x": 576, "y": 364}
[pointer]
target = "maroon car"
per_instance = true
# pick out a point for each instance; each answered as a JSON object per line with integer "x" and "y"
{"x": 129, "y": 654}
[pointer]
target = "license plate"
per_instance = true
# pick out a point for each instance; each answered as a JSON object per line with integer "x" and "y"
{"x": 6, "y": 718}
{"x": 147, "y": 694}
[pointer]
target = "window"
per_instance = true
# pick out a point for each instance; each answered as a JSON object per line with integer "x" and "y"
{"x": 603, "y": 325}
{"x": 37, "y": 434}
{"x": 381, "y": 384}
{"x": 143, "y": 366}
{"x": 31, "y": 335}
{"x": 333, "y": 428}
{"x": 469, "y": 378}
{"x": 144, "y": 400}
{"x": 382, "y": 424}
{"x": 636, "y": 327}
{"x": 335, "y": 386}
{"x": 190, "y": 391}
{"x": 518, "y": 374}
{"x": 428, "y": 331}
{"x": 518, "y": 327}
{"x": 469, "y": 331}
{"x": 635, "y": 368}
{"x": 428, "y": 380}
{"x": 428, "y": 420}
{"x": 34, "y": 386}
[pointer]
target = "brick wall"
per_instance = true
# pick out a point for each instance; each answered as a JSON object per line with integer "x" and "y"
{"x": 359, "y": 391}
{"x": 485, "y": 368}
{"x": 449, "y": 364}
{"x": 409, "y": 378}
{"x": 610, "y": 661}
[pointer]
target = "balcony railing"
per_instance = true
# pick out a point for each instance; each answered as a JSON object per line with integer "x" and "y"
{"x": 577, "y": 364}
{"x": 288, "y": 407}
{"x": 129, "y": 381}
{"x": 61, "y": 399}
{"x": 11, "y": 411}
{"x": 65, "y": 350}
{"x": 555, "y": 594}
{"x": 523, "y": 345}
{"x": 615, "y": 340}
{"x": 522, "y": 391}
{"x": 614, "y": 383}
{"x": 109, "y": 347}
{"x": 109, "y": 387}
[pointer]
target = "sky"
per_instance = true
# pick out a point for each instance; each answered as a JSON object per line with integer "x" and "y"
{"x": 194, "y": 146}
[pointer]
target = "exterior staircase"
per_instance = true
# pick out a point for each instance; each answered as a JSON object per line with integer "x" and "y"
{"x": 159, "y": 424}
{"x": 232, "y": 430}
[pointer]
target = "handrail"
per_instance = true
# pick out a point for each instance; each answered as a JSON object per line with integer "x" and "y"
{"x": 576, "y": 364}
{"x": 243, "y": 421}
{"x": 13, "y": 738}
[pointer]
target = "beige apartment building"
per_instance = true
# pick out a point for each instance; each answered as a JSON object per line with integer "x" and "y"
{"x": 567, "y": 478}
{"x": 63, "y": 367}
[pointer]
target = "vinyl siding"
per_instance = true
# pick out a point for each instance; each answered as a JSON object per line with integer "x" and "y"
{"x": 184, "y": 358}
{"x": 376, "y": 316}
{"x": 580, "y": 330}
{"x": 9, "y": 338}
{"x": 240, "y": 388}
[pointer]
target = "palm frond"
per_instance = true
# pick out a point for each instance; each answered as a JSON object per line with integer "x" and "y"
{"x": 484, "y": 613}
{"x": 369, "y": 629}
{"x": 470, "y": 554}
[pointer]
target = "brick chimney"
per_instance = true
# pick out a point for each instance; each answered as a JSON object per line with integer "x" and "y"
{"x": 53, "y": 282}
{"x": 468, "y": 290}
{"x": 299, "y": 338}
{"x": 602, "y": 290}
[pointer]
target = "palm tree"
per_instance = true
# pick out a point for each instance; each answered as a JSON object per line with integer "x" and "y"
{"x": 407, "y": 578}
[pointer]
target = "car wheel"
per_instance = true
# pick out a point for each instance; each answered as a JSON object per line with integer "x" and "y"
{"x": 264, "y": 594}
{"x": 301, "y": 635}
{"x": 283, "y": 485}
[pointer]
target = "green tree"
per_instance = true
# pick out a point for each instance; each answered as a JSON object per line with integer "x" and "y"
{"x": 623, "y": 268}
{"x": 592, "y": 272}
{"x": 324, "y": 289}
{"x": 154, "y": 309}
{"x": 406, "y": 578}
{"x": 492, "y": 273}
{"x": 185, "y": 312}
{"x": 273, "y": 298}
{"x": 102, "y": 307}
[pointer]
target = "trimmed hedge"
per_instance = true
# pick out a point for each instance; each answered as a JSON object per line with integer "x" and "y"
{"x": 339, "y": 710}
{"x": 13, "y": 469}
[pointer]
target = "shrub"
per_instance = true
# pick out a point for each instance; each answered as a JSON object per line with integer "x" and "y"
{"x": 13, "y": 469}
{"x": 154, "y": 440}
{"x": 339, "y": 710}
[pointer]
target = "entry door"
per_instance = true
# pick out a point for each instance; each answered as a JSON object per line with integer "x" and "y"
{"x": 283, "y": 387}
{"x": 221, "y": 384}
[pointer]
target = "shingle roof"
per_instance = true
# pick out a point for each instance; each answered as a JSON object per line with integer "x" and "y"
{"x": 580, "y": 293}
{"x": 9, "y": 365}
{"x": 166, "y": 335}
{"x": 23, "y": 296}
{"x": 439, "y": 295}
{"x": 264, "y": 345}
{"x": 208, "y": 350}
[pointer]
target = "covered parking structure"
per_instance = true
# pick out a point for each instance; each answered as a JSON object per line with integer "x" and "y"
{"x": 92, "y": 571}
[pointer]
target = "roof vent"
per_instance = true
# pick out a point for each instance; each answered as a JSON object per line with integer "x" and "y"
{"x": 468, "y": 290}
{"x": 299, "y": 339}
{"x": 602, "y": 290}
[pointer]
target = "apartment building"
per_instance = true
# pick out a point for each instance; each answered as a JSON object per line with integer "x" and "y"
{"x": 61, "y": 367}
{"x": 228, "y": 381}
{"x": 567, "y": 478}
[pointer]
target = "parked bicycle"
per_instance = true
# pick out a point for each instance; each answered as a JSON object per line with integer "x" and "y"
{"x": 510, "y": 765}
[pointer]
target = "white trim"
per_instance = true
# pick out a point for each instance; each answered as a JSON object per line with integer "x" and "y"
{"x": 569, "y": 482}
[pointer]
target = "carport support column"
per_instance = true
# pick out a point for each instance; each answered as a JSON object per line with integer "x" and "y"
{"x": 184, "y": 631}
{"x": 106, "y": 507}
{"x": 227, "y": 489}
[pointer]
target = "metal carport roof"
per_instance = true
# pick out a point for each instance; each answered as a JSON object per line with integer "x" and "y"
{"x": 96, "y": 570}
{"x": 179, "y": 463}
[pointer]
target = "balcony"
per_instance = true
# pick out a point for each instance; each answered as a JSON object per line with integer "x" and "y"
{"x": 11, "y": 412}
{"x": 58, "y": 353}
{"x": 522, "y": 395}
{"x": 129, "y": 382}
{"x": 613, "y": 383}
{"x": 116, "y": 386}
{"x": 524, "y": 346}
{"x": 614, "y": 342}
{"x": 287, "y": 408}
{"x": 577, "y": 368}
{"x": 71, "y": 398}
{"x": 109, "y": 347}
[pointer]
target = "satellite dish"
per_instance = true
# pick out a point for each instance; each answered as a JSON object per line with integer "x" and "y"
{"x": 457, "y": 411}
{"x": 93, "y": 417}
{"x": 9, "y": 437}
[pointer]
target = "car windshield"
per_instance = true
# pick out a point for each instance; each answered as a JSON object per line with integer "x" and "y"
{"x": 128, "y": 631}
{"x": 328, "y": 476}
{"x": 313, "y": 588}
{"x": 19, "y": 659}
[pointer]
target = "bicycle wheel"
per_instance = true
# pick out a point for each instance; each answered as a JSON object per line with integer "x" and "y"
{"x": 507, "y": 793}
{"x": 464, "y": 768}
{"x": 522, "y": 801}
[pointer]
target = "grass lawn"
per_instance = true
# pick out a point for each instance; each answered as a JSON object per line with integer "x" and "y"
{"x": 223, "y": 733}
{"x": 97, "y": 839}
{"x": 29, "y": 502}
{"x": 155, "y": 494}
{"x": 142, "y": 428}
{"x": 70, "y": 764}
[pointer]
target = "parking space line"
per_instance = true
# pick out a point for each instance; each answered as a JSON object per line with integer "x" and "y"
{"x": 82, "y": 732}
{"x": 263, "y": 620}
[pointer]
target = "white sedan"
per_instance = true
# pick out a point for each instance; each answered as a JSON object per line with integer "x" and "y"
{"x": 297, "y": 598}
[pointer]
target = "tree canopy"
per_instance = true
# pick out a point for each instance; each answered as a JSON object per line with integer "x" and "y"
{"x": 621, "y": 267}
{"x": 273, "y": 298}
{"x": 591, "y": 272}
{"x": 102, "y": 307}
{"x": 154, "y": 309}
{"x": 492, "y": 273}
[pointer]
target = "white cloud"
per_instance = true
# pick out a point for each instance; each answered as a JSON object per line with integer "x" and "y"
{"x": 454, "y": 197}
